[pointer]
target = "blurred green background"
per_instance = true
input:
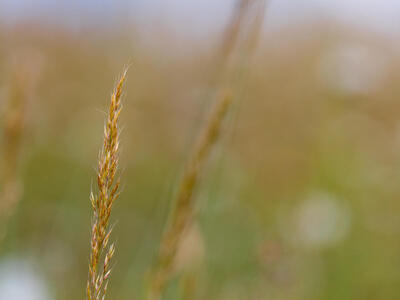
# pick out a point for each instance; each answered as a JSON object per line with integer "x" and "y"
{"x": 300, "y": 199}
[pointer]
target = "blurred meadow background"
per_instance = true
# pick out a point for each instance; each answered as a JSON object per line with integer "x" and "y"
{"x": 300, "y": 198}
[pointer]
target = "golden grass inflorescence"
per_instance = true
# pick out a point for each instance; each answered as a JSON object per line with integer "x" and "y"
{"x": 107, "y": 192}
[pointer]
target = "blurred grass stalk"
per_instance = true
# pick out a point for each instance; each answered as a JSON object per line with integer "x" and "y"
{"x": 230, "y": 37}
{"x": 183, "y": 210}
{"x": 102, "y": 202}
{"x": 182, "y": 213}
{"x": 14, "y": 116}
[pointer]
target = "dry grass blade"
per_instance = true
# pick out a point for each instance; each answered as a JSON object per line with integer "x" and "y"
{"x": 182, "y": 211}
{"x": 108, "y": 191}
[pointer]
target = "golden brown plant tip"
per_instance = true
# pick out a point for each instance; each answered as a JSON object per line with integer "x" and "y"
{"x": 107, "y": 192}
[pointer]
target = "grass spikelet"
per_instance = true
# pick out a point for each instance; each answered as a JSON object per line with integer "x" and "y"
{"x": 107, "y": 193}
{"x": 182, "y": 212}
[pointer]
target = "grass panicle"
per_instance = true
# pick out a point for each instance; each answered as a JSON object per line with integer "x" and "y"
{"x": 102, "y": 202}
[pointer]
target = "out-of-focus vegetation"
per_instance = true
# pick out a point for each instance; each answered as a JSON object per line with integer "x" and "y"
{"x": 300, "y": 200}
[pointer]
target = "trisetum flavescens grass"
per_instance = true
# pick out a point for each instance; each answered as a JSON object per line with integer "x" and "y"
{"x": 102, "y": 202}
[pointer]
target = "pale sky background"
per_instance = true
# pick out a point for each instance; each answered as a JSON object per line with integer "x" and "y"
{"x": 200, "y": 16}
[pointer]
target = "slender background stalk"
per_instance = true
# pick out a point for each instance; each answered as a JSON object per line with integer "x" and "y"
{"x": 183, "y": 209}
{"x": 182, "y": 213}
{"x": 14, "y": 122}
